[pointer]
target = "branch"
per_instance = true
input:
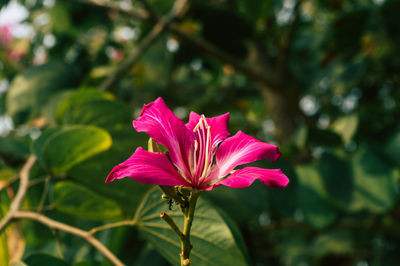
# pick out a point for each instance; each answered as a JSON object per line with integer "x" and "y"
{"x": 109, "y": 226}
{"x": 173, "y": 225}
{"x": 23, "y": 186}
{"x": 155, "y": 33}
{"x": 200, "y": 44}
{"x": 69, "y": 229}
{"x": 15, "y": 213}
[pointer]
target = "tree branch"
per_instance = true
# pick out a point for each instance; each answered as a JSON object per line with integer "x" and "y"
{"x": 23, "y": 184}
{"x": 155, "y": 33}
{"x": 15, "y": 213}
{"x": 200, "y": 44}
{"x": 69, "y": 229}
{"x": 112, "y": 225}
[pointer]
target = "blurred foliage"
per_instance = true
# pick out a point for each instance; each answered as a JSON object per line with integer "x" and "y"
{"x": 332, "y": 106}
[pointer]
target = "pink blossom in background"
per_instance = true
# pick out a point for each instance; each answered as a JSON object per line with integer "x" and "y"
{"x": 200, "y": 153}
{"x": 5, "y": 35}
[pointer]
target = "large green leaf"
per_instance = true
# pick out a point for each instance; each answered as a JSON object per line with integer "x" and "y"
{"x": 88, "y": 107}
{"x": 313, "y": 198}
{"x": 375, "y": 182}
{"x": 60, "y": 149}
{"x": 214, "y": 241}
{"x": 30, "y": 91}
{"x": 78, "y": 97}
{"x": 76, "y": 200}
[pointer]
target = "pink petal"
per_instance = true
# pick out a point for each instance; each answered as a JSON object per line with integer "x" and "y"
{"x": 149, "y": 168}
{"x": 246, "y": 176}
{"x": 164, "y": 127}
{"x": 241, "y": 149}
{"x": 218, "y": 126}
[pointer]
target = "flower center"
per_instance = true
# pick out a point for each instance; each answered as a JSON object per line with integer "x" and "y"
{"x": 202, "y": 154}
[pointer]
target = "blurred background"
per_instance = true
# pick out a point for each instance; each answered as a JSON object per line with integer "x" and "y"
{"x": 320, "y": 79}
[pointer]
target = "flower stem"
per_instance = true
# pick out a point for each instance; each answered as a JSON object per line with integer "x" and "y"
{"x": 188, "y": 213}
{"x": 187, "y": 205}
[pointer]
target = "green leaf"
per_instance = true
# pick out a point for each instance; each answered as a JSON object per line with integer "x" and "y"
{"x": 392, "y": 148}
{"x": 149, "y": 256}
{"x": 346, "y": 126}
{"x": 336, "y": 242}
{"x": 4, "y": 256}
{"x": 93, "y": 172}
{"x": 49, "y": 110}
{"x": 241, "y": 204}
{"x": 375, "y": 182}
{"x": 76, "y": 200}
{"x": 61, "y": 148}
{"x": 214, "y": 241}
{"x": 93, "y": 108}
{"x": 337, "y": 177}
{"x": 44, "y": 259}
{"x": 14, "y": 147}
{"x": 37, "y": 145}
{"x": 30, "y": 91}
{"x": 313, "y": 198}
{"x": 90, "y": 263}
{"x": 78, "y": 97}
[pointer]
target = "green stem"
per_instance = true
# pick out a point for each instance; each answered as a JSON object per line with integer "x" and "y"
{"x": 188, "y": 213}
{"x": 187, "y": 205}
{"x": 172, "y": 224}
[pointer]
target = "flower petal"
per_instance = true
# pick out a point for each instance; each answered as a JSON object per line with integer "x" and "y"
{"x": 218, "y": 126}
{"x": 164, "y": 127}
{"x": 241, "y": 149}
{"x": 246, "y": 176}
{"x": 149, "y": 168}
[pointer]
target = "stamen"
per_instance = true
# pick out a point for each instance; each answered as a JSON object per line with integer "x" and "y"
{"x": 203, "y": 150}
{"x": 196, "y": 147}
{"x": 206, "y": 162}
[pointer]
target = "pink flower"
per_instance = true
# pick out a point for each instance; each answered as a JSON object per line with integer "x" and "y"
{"x": 5, "y": 35}
{"x": 200, "y": 153}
